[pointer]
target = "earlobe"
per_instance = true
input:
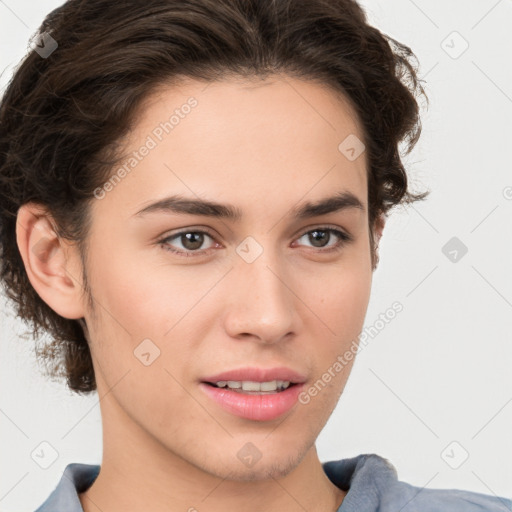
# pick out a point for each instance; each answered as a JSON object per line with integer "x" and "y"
{"x": 49, "y": 262}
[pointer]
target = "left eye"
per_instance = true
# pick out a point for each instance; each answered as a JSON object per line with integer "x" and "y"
{"x": 191, "y": 241}
{"x": 320, "y": 235}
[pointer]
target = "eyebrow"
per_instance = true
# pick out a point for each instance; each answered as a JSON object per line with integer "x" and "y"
{"x": 181, "y": 205}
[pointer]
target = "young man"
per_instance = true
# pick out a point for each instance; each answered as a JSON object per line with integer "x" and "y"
{"x": 197, "y": 216}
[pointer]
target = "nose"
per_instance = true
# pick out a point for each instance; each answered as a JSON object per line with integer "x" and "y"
{"x": 261, "y": 302}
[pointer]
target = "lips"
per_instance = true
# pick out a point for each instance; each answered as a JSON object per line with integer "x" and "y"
{"x": 260, "y": 406}
{"x": 255, "y": 374}
{"x": 254, "y": 407}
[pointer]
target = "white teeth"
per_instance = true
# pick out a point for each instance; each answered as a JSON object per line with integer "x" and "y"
{"x": 267, "y": 386}
{"x": 253, "y": 386}
{"x": 248, "y": 385}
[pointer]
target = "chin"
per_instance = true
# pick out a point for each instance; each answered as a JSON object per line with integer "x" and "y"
{"x": 272, "y": 464}
{"x": 262, "y": 470}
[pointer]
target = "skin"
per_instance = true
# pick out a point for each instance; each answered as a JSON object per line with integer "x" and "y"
{"x": 264, "y": 146}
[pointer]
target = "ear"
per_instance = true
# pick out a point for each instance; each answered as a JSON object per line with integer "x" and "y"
{"x": 53, "y": 266}
{"x": 380, "y": 222}
{"x": 378, "y": 228}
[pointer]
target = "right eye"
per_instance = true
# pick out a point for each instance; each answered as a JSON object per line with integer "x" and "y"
{"x": 191, "y": 241}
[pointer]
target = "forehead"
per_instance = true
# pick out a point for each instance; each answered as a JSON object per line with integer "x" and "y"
{"x": 246, "y": 139}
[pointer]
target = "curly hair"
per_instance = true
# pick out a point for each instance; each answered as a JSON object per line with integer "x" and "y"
{"x": 62, "y": 117}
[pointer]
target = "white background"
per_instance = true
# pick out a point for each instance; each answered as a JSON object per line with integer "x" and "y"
{"x": 440, "y": 371}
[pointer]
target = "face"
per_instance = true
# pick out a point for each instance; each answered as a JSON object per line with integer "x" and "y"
{"x": 181, "y": 297}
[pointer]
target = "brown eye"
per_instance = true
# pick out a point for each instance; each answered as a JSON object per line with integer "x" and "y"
{"x": 320, "y": 237}
{"x": 190, "y": 241}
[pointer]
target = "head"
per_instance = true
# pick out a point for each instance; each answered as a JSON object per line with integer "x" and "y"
{"x": 264, "y": 107}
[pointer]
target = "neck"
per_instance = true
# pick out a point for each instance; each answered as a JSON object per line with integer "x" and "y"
{"x": 139, "y": 474}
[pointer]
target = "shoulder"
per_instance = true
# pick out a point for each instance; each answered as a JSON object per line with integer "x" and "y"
{"x": 372, "y": 484}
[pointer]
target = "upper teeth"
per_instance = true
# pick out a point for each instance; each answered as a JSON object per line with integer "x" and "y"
{"x": 248, "y": 385}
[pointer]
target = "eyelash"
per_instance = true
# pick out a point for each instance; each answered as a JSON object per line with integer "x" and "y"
{"x": 344, "y": 239}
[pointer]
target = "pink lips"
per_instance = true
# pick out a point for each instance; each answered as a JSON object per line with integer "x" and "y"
{"x": 257, "y": 407}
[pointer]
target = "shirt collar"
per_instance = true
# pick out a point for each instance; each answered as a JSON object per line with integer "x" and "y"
{"x": 75, "y": 479}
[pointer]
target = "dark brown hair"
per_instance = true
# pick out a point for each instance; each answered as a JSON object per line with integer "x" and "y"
{"x": 62, "y": 117}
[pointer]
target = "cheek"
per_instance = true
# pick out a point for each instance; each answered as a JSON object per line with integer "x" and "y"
{"x": 339, "y": 296}
{"x": 350, "y": 291}
{"x": 154, "y": 397}
{"x": 146, "y": 315}
{"x": 143, "y": 370}
{"x": 339, "y": 299}
{"x": 318, "y": 401}
{"x": 147, "y": 300}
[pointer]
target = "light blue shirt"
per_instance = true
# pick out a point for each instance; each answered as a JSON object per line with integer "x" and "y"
{"x": 371, "y": 482}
